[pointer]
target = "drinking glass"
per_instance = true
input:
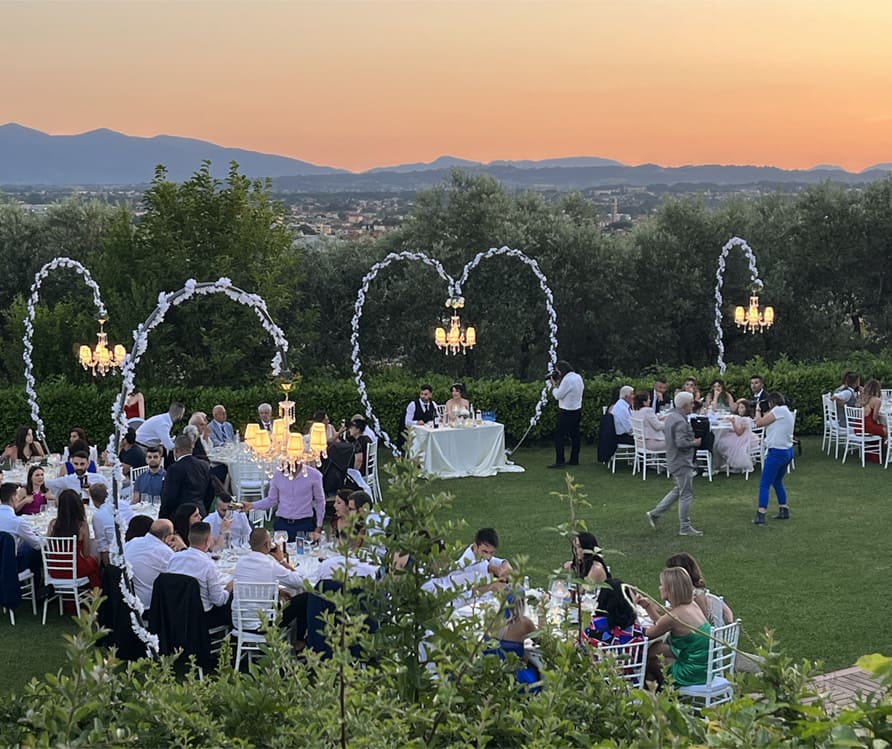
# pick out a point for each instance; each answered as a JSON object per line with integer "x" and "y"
{"x": 280, "y": 538}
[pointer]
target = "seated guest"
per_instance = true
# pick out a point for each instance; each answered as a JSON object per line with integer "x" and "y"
{"x": 367, "y": 430}
{"x": 330, "y": 433}
{"x": 870, "y": 399}
{"x": 760, "y": 395}
{"x": 422, "y": 410}
{"x": 718, "y": 399}
{"x": 103, "y": 521}
{"x": 204, "y": 444}
{"x": 147, "y": 487}
{"x": 138, "y": 526}
{"x": 224, "y": 521}
{"x": 27, "y": 541}
{"x": 622, "y": 416}
{"x": 477, "y": 571}
{"x": 734, "y": 446}
{"x": 687, "y": 651}
{"x": 80, "y": 479}
{"x": 334, "y": 568}
{"x": 587, "y": 563}
{"x": 266, "y": 563}
{"x": 197, "y": 563}
{"x": 360, "y": 442}
{"x": 130, "y": 455}
{"x": 689, "y": 564}
{"x": 24, "y": 447}
{"x": 299, "y": 503}
{"x": 188, "y": 480}
{"x": 185, "y": 516}
{"x": 658, "y": 398}
{"x": 36, "y": 491}
{"x": 614, "y": 619}
{"x": 458, "y": 404}
{"x": 221, "y": 430}
{"x": 265, "y": 417}
{"x": 71, "y": 521}
{"x": 341, "y": 523}
{"x": 155, "y": 431}
{"x": 690, "y": 386}
{"x": 76, "y": 446}
{"x": 653, "y": 427}
{"x": 149, "y": 556}
{"x": 516, "y": 627}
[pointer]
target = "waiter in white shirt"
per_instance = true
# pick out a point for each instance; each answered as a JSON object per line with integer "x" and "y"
{"x": 567, "y": 389}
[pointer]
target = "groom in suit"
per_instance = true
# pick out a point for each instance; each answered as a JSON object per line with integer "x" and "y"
{"x": 422, "y": 410}
{"x": 221, "y": 430}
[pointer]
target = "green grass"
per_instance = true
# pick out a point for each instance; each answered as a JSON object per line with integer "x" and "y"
{"x": 818, "y": 580}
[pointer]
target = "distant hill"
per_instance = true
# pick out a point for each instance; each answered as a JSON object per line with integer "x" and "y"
{"x": 879, "y": 168}
{"x": 105, "y": 157}
{"x": 443, "y": 162}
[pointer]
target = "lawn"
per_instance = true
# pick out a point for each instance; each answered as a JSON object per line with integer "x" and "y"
{"x": 816, "y": 580}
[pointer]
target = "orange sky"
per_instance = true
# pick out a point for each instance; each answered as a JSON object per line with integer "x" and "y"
{"x": 366, "y": 83}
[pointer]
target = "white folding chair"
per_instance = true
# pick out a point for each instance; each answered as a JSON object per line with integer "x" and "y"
{"x": 623, "y": 452}
{"x": 720, "y": 665}
{"x": 247, "y": 478}
{"x": 856, "y": 438}
{"x": 629, "y": 660}
{"x": 757, "y": 450}
{"x": 791, "y": 466}
{"x": 60, "y": 571}
{"x": 644, "y": 456}
{"x": 715, "y": 608}
{"x": 441, "y": 412}
{"x": 249, "y": 601}
{"x": 257, "y": 518}
{"x": 831, "y": 425}
{"x": 135, "y": 473}
{"x": 703, "y": 461}
{"x": 371, "y": 471}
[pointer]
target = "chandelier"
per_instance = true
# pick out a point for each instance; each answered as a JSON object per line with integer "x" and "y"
{"x": 282, "y": 449}
{"x": 457, "y": 338}
{"x": 752, "y": 318}
{"x": 101, "y": 359}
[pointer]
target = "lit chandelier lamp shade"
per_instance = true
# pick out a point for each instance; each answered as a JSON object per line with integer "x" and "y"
{"x": 101, "y": 359}
{"x": 456, "y": 339}
{"x": 753, "y": 319}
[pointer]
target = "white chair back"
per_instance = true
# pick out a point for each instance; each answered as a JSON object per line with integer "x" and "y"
{"x": 249, "y": 600}
{"x": 629, "y": 660}
{"x": 441, "y": 412}
{"x": 59, "y": 558}
{"x": 135, "y": 473}
{"x": 857, "y": 439}
{"x": 715, "y": 608}
{"x": 371, "y": 471}
{"x": 720, "y": 665}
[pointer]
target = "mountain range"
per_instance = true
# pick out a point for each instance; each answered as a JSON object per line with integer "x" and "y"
{"x": 106, "y": 157}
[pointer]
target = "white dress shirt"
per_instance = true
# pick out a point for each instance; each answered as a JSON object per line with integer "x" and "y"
{"x": 240, "y": 528}
{"x": 103, "y": 527}
{"x": 73, "y": 481}
{"x": 411, "y": 417}
{"x": 148, "y": 557}
{"x": 198, "y": 564}
{"x": 257, "y": 567}
{"x": 156, "y": 431}
{"x": 569, "y": 392}
{"x": 19, "y": 527}
{"x": 328, "y": 568}
{"x": 622, "y": 417}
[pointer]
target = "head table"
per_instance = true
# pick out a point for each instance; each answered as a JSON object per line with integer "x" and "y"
{"x": 477, "y": 449}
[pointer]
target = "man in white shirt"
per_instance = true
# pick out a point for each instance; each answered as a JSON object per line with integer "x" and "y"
{"x": 150, "y": 555}
{"x": 622, "y": 415}
{"x": 567, "y": 389}
{"x": 28, "y": 556}
{"x": 196, "y": 562}
{"x": 156, "y": 429}
{"x": 422, "y": 410}
{"x": 238, "y": 527}
{"x": 103, "y": 520}
{"x": 478, "y": 571}
{"x": 80, "y": 481}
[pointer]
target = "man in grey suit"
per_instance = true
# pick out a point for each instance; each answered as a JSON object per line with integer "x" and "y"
{"x": 221, "y": 430}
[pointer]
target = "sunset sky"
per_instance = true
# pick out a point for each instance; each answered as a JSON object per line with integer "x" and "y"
{"x": 791, "y": 83}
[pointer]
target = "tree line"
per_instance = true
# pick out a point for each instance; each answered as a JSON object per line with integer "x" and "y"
{"x": 634, "y": 302}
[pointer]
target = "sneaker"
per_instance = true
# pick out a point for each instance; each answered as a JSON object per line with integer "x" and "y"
{"x": 759, "y": 519}
{"x": 783, "y": 513}
{"x": 690, "y": 531}
{"x": 651, "y": 519}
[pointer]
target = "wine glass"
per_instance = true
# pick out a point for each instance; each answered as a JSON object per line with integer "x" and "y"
{"x": 280, "y": 538}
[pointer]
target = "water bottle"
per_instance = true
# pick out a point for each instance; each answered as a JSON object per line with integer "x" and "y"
{"x": 437, "y": 422}
{"x": 526, "y": 582}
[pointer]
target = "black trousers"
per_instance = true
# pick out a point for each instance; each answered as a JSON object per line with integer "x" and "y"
{"x": 567, "y": 426}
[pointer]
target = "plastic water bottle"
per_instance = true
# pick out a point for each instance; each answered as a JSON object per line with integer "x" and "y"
{"x": 526, "y": 582}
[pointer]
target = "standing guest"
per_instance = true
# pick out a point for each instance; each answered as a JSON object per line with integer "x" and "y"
{"x": 687, "y": 651}
{"x": 24, "y": 447}
{"x": 760, "y": 395}
{"x": 622, "y": 416}
{"x": 187, "y": 480}
{"x": 871, "y": 400}
{"x": 681, "y": 446}
{"x": 221, "y": 430}
{"x": 734, "y": 445}
{"x": 778, "y": 443}
{"x": 156, "y": 430}
{"x": 35, "y": 491}
{"x": 299, "y": 503}
{"x": 138, "y": 526}
{"x": 27, "y": 541}
{"x": 149, "y": 556}
{"x": 658, "y": 398}
{"x": 135, "y": 408}
{"x": 147, "y": 487}
{"x": 196, "y": 562}
{"x": 567, "y": 388}
{"x": 224, "y": 521}
{"x": 422, "y": 410}
{"x": 653, "y": 427}
{"x": 265, "y": 417}
{"x": 718, "y": 399}
{"x": 71, "y": 521}
{"x": 130, "y": 455}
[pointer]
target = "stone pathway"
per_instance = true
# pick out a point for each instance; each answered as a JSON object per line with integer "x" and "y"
{"x": 841, "y": 687}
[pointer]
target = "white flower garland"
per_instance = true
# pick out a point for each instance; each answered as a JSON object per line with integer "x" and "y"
{"x": 59, "y": 262}
{"x": 719, "y": 279}
{"x": 455, "y": 290}
{"x": 166, "y": 300}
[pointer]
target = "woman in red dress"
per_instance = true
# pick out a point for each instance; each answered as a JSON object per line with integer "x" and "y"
{"x": 871, "y": 400}
{"x": 72, "y": 521}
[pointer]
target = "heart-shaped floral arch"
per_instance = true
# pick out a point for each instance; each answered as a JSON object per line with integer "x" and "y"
{"x": 455, "y": 290}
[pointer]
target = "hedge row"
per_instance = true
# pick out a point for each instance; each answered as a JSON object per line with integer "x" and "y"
{"x": 66, "y": 405}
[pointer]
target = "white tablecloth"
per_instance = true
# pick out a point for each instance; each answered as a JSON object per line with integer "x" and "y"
{"x": 455, "y": 452}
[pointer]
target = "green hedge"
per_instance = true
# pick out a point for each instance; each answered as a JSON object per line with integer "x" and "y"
{"x": 66, "y": 405}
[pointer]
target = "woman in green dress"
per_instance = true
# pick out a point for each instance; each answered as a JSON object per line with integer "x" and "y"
{"x": 686, "y": 650}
